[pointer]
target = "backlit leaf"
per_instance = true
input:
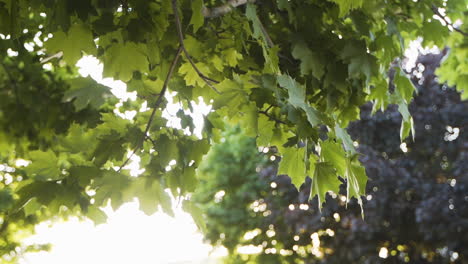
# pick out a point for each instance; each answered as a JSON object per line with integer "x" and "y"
{"x": 79, "y": 38}
{"x": 44, "y": 166}
{"x": 197, "y": 16}
{"x": 324, "y": 180}
{"x": 292, "y": 164}
{"x": 121, "y": 60}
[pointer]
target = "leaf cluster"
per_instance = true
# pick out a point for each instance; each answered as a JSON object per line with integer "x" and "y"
{"x": 293, "y": 74}
{"x": 416, "y": 203}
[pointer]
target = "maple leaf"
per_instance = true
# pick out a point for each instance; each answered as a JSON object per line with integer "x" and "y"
{"x": 323, "y": 180}
{"x": 86, "y": 91}
{"x": 121, "y": 60}
{"x": 292, "y": 164}
{"x": 78, "y": 39}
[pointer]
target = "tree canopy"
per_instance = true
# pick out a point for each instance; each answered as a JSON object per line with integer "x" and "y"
{"x": 292, "y": 73}
{"x": 416, "y": 204}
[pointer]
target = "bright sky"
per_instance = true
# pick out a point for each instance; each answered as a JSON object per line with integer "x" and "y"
{"x": 129, "y": 236}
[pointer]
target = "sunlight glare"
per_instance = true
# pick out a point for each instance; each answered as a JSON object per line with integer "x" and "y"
{"x": 129, "y": 236}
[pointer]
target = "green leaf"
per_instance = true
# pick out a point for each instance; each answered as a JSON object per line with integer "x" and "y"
{"x": 85, "y": 174}
{"x": 182, "y": 181}
{"x": 347, "y": 5}
{"x": 251, "y": 14}
{"x": 167, "y": 149}
{"x": 265, "y": 131}
{"x": 356, "y": 181}
{"x": 311, "y": 62}
{"x": 334, "y": 154}
{"x": 196, "y": 212}
{"x": 186, "y": 120}
{"x": 231, "y": 56}
{"x": 112, "y": 122}
{"x": 218, "y": 63}
{"x": 96, "y": 215}
{"x": 379, "y": 94}
{"x": 233, "y": 96}
{"x": 79, "y": 38}
{"x": 407, "y": 124}
{"x": 285, "y": 5}
{"x": 109, "y": 148}
{"x": 197, "y": 19}
{"x": 388, "y": 48}
{"x": 296, "y": 91}
{"x": 151, "y": 195}
{"x": 44, "y": 166}
{"x": 366, "y": 64}
{"x": 293, "y": 164}
{"x": 111, "y": 186}
{"x": 324, "y": 180}
{"x": 6, "y": 199}
{"x": 121, "y": 60}
{"x": 146, "y": 88}
{"x": 313, "y": 116}
{"x": 86, "y": 91}
{"x": 31, "y": 207}
{"x": 78, "y": 140}
{"x": 197, "y": 149}
{"x": 434, "y": 33}
{"x": 249, "y": 121}
{"x": 271, "y": 59}
{"x": 343, "y": 135}
{"x": 360, "y": 62}
{"x": 297, "y": 99}
{"x": 404, "y": 86}
{"x": 191, "y": 76}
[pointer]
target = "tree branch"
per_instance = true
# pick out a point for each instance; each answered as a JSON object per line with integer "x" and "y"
{"x": 180, "y": 34}
{"x": 272, "y": 117}
{"x": 156, "y": 106}
{"x": 268, "y": 40}
{"x": 436, "y": 11}
{"x": 223, "y": 9}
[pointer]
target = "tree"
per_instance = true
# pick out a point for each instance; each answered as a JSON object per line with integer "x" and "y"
{"x": 416, "y": 207}
{"x": 282, "y": 69}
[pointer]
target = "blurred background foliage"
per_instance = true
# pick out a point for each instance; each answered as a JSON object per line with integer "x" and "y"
{"x": 416, "y": 208}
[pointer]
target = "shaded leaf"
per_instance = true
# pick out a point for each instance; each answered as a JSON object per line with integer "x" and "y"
{"x": 86, "y": 91}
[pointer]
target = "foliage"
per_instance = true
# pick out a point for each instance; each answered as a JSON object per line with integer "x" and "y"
{"x": 282, "y": 69}
{"x": 224, "y": 159}
{"x": 416, "y": 207}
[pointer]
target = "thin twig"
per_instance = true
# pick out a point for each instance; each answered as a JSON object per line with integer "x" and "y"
{"x": 207, "y": 80}
{"x": 223, "y": 9}
{"x": 156, "y": 106}
{"x": 268, "y": 40}
{"x": 56, "y": 55}
{"x": 272, "y": 117}
{"x": 436, "y": 11}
